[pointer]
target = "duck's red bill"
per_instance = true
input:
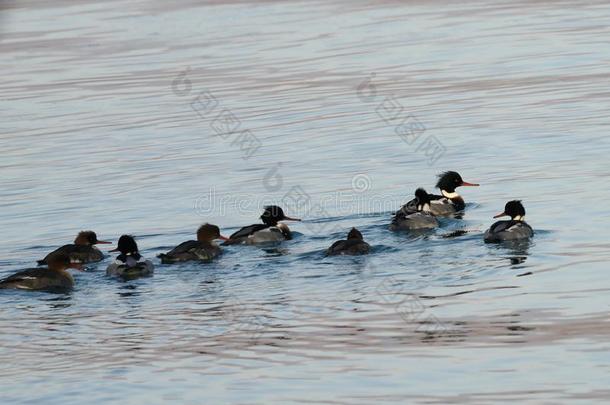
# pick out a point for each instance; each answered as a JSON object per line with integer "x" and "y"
{"x": 103, "y": 242}
{"x": 465, "y": 183}
{"x": 223, "y": 237}
{"x": 502, "y": 214}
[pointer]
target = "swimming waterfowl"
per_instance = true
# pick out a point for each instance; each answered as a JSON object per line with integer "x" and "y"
{"x": 55, "y": 277}
{"x": 449, "y": 202}
{"x": 421, "y": 219}
{"x": 130, "y": 263}
{"x": 82, "y": 250}
{"x": 353, "y": 245}
{"x": 203, "y": 248}
{"x": 514, "y": 229}
{"x": 269, "y": 231}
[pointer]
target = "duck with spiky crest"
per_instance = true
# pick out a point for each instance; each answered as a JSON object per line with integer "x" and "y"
{"x": 510, "y": 230}
{"x": 83, "y": 249}
{"x": 449, "y": 202}
{"x": 54, "y": 278}
{"x": 202, "y": 249}
{"x": 422, "y": 218}
{"x": 130, "y": 263}
{"x": 270, "y": 231}
{"x": 353, "y": 245}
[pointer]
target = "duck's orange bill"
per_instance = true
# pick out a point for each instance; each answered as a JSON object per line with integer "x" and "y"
{"x": 291, "y": 219}
{"x": 502, "y": 214}
{"x": 223, "y": 238}
{"x": 103, "y": 242}
{"x": 465, "y": 183}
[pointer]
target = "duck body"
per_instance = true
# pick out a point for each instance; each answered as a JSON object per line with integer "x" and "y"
{"x": 130, "y": 266}
{"x": 54, "y": 278}
{"x": 77, "y": 253}
{"x": 39, "y": 278}
{"x": 191, "y": 250}
{"x": 270, "y": 231}
{"x": 419, "y": 216}
{"x": 83, "y": 249}
{"x": 511, "y": 230}
{"x": 260, "y": 233}
{"x": 508, "y": 230}
{"x": 413, "y": 221}
{"x": 352, "y": 246}
{"x": 202, "y": 249}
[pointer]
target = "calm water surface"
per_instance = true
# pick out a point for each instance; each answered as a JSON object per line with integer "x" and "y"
{"x": 109, "y": 122}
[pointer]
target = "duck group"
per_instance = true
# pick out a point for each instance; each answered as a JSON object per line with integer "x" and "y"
{"x": 419, "y": 214}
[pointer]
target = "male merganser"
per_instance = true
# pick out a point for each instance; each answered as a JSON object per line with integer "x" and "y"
{"x": 203, "y": 248}
{"x": 513, "y": 229}
{"x": 353, "y": 245}
{"x": 52, "y": 278}
{"x": 421, "y": 219}
{"x": 449, "y": 202}
{"x": 269, "y": 231}
{"x": 82, "y": 250}
{"x": 130, "y": 263}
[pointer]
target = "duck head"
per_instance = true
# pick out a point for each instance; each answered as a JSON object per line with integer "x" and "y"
{"x": 423, "y": 200}
{"x": 514, "y": 209}
{"x": 208, "y": 233}
{"x": 61, "y": 261}
{"x": 88, "y": 238}
{"x": 127, "y": 245}
{"x": 274, "y": 214}
{"x": 354, "y": 234}
{"x": 449, "y": 181}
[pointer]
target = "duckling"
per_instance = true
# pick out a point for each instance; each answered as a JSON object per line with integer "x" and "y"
{"x": 514, "y": 229}
{"x": 203, "y": 248}
{"x": 82, "y": 250}
{"x": 422, "y": 218}
{"x": 130, "y": 263}
{"x": 53, "y": 278}
{"x": 269, "y": 231}
{"x": 353, "y": 245}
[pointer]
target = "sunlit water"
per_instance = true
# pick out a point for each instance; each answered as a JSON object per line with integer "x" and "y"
{"x": 109, "y": 123}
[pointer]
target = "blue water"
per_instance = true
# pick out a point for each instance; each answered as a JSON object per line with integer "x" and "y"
{"x": 115, "y": 117}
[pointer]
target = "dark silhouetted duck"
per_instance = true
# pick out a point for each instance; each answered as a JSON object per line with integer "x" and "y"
{"x": 353, "y": 245}
{"x": 449, "y": 202}
{"x": 203, "y": 248}
{"x": 514, "y": 229}
{"x": 422, "y": 218}
{"x": 55, "y": 277}
{"x": 130, "y": 263}
{"x": 269, "y": 231}
{"x": 82, "y": 250}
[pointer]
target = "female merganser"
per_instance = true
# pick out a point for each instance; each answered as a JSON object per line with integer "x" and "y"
{"x": 203, "y": 248}
{"x": 421, "y": 219}
{"x": 353, "y": 245}
{"x": 130, "y": 263}
{"x": 449, "y": 202}
{"x": 52, "y": 278}
{"x": 513, "y": 229}
{"x": 82, "y": 250}
{"x": 268, "y": 231}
